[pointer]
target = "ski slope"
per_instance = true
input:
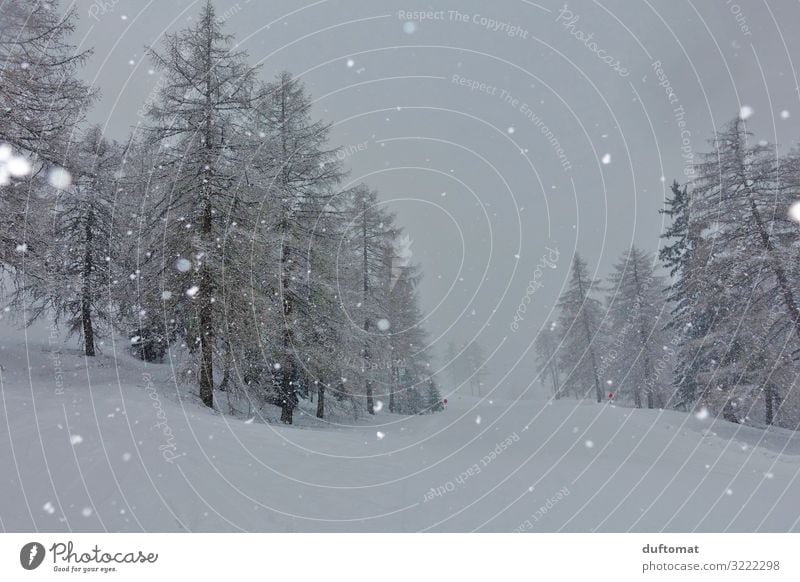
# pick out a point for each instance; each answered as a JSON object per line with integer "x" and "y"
{"x": 109, "y": 444}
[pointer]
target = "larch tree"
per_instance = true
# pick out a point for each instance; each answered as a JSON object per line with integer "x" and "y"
{"x": 745, "y": 271}
{"x": 546, "y": 346}
{"x": 299, "y": 176}
{"x": 42, "y": 102}
{"x": 41, "y": 97}
{"x": 199, "y": 124}
{"x": 579, "y": 321}
{"x": 635, "y": 307}
{"x": 370, "y": 232}
{"x": 68, "y": 273}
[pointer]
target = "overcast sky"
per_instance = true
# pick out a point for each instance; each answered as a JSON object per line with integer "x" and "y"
{"x": 496, "y": 130}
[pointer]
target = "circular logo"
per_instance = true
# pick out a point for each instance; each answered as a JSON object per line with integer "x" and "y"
{"x": 31, "y": 555}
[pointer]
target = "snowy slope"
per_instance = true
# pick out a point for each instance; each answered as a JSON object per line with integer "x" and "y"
{"x": 87, "y": 450}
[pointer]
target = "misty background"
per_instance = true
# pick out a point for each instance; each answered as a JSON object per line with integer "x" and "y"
{"x": 497, "y": 133}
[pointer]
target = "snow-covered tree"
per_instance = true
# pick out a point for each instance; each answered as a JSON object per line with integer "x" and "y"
{"x": 199, "y": 126}
{"x": 546, "y": 346}
{"x": 579, "y": 322}
{"x": 738, "y": 280}
{"x": 369, "y": 234}
{"x": 298, "y": 172}
{"x": 41, "y": 103}
{"x": 67, "y": 273}
{"x": 685, "y": 321}
{"x": 634, "y": 331}
{"x": 41, "y": 97}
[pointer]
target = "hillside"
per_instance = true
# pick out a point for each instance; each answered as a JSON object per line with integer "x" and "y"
{"x": 109, "y": 444}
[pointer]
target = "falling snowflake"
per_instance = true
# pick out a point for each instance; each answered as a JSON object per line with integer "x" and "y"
{"x": 409, "y": 28}
{"x": 183, "y": 265}
{"x": 511, "y": 129}
{"x": 702, "y": 414}
{"x": 22, "y": 248}
{"x": 383, "y": 324}
{"x": 478, "y": 419}
{"x": 11, "y": 165}
{"x": 769, "y": 475}
{"x": 18, "y": 167}
{"x": 785, "y": 114}
{"x": 606, "y": 159}
{"x": 378, "y": 405}
{"x": 192, "y": 291}
{"x": 166, "y": 295}
{"x": 589, "y": 444}
{"x": 794, "y": 211}
{"x": 350, "y": 63}
{"x": 76, "y": 439}
{"x": 745, "y": 112}
{"x": 59, "y": 178}
{"x": 86, "y": 511}
{"x": 126, "y": 457}
{"x": 48, "y": 507}
{"x": 380, "y": 435}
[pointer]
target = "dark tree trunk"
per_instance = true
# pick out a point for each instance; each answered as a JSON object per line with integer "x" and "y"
{"x": 205, "y": 315}
{"x": 206, "y": 341}
{"x": 637, "y": 396}
{"x": 392, "y": 388}
{"x": 769, "y": 404}
{"x": 321, "y": 401}
{"x": 86, "y": 291}
{"x": 286, "y": 411}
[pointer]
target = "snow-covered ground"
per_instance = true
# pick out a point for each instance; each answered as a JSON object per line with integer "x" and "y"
{"x": 109, "y": 444}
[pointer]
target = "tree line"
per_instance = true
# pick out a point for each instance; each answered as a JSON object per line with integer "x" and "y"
{"x": 218, "y": 236}
{"x": 711, "y": 322}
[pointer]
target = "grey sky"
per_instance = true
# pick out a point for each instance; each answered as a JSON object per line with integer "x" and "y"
{"x": 471, "y": 170}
